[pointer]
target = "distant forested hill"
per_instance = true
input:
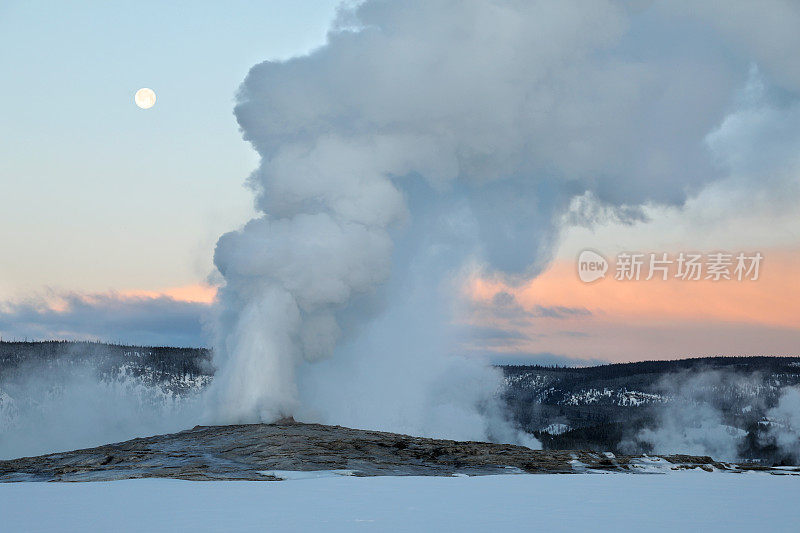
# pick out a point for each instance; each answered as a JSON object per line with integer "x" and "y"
{"x": 179, "y": 369}
{"x": 611, "y": 407}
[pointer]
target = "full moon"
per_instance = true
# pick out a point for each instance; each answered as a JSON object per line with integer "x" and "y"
{"x": 145, "y": 98}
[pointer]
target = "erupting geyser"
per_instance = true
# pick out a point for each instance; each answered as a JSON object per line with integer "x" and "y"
{"x": 425, "y": 141}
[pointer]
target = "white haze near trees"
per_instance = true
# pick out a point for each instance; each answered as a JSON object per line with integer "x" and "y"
{"x": 67, "y": 406}
{"x": 693, "y": 420}
{"x": 432, "y": 139}
{"x": 784, "y": 431}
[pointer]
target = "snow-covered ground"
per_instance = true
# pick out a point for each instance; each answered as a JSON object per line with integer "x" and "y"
{"x": 621, "y": 502}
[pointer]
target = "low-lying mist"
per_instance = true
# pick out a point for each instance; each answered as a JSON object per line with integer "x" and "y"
{"x": 60, "y": 407}
{"x": 727, "y": 415}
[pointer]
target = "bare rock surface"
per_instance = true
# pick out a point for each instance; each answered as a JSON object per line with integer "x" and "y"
{"x": 264, "y": 451}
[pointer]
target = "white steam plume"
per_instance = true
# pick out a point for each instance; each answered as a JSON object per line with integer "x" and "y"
{"x": 692, "y": 421}
{"x": 783, "y": 429}
{"x": 425, "y": 138}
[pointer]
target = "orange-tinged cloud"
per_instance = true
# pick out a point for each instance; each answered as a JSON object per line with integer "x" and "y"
{"x": 199, "y": 293}
{"x": 773, "y": 299}
{"x": 634, "y": 320}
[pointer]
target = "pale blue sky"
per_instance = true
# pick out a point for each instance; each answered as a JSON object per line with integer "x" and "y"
{"x": 99, "y": 194}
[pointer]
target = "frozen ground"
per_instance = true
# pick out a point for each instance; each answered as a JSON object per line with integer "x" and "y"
{"x": 673, "y": 502}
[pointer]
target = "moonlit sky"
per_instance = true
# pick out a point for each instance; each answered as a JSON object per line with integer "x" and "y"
{"x": 99, "y": 194}
{"x": 110, "y": 212}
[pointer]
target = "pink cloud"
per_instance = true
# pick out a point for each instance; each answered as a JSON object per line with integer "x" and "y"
{"x": 647, "y": 319}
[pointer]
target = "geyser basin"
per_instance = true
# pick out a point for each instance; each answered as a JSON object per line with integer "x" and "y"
{"x": 255, "y": 451}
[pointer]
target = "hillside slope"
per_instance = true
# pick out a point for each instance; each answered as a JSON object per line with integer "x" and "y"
{"x": 266, "y": 451}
